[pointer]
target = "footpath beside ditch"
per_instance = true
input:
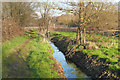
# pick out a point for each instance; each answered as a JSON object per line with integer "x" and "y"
{"x": 29, "y": 57}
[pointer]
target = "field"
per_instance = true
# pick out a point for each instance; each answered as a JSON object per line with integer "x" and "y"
{"x": 26, "y": 56}
{"x": 107, "y": 50}
{"x": 32, "y": 33}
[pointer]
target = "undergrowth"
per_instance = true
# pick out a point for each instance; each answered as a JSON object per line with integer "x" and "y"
{"x": 107, "y": 51}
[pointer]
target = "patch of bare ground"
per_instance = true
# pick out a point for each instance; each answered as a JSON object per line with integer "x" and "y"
{"x": 17, "y": 66}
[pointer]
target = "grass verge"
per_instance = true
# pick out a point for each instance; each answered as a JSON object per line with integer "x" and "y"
{"x": 39, "y": 60}
{"x": 31, "y": 60}
{"x": 107, "y": 51}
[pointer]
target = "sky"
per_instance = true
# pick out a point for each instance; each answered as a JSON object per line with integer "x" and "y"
{"x": 82, "y": 0}
{"x": 59, "y": 13}
{"x": 54, "y": 0}
{"x": 56, "y": 12}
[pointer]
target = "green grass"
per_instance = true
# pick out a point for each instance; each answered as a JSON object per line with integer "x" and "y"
{"x": 89, "y": 37}
{"x": 9, "y": 46}
{"x": 67, "y": 34}
{"x": 108, "y": 47}
{"x": 8, "y": 56}
{"x": 36, "y": 54}
{"x": 39, "y": 59}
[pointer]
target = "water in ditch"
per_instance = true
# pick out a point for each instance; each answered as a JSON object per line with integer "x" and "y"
{"x": 70, "y": 70}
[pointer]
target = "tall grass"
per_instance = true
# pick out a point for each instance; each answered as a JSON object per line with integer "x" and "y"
{"x": 108, "y": 47}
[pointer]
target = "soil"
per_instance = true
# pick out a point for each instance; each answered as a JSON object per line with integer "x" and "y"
{"x": 84, "y": 61}
{"x": 57, "y": 66}
{"x": 18, "y": 67}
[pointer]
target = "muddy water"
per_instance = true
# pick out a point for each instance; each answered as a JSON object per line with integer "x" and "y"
{"x": 70, "y": 69}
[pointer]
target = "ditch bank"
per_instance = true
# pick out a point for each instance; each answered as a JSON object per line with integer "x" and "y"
{"x": 58, "y": 68}
{"x": 84, "y": 61}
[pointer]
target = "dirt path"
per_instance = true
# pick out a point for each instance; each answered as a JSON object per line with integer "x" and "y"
{"x": 17, "y": 66}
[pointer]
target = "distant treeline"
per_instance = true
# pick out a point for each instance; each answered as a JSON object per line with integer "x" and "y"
{"x": 21, "y": 12}
{"x": 107, "y": 20}
{"x": 98, "y": 16}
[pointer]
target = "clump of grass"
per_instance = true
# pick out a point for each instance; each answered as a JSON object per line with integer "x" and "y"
{"x": 109, "y": 41}
{"x": 10, "y": 58}
{"x": 108, "y": 47}
{"x": 39, "y": 60}
{"x": 35, "y": 55}
{"x": 67, "y": 34}
{"x": 9, "y": 46}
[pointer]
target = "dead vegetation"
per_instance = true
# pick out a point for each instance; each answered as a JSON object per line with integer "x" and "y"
{"x": 10, "y": 29}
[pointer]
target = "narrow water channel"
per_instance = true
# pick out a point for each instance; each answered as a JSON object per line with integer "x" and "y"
{"x": 70, "y": 70}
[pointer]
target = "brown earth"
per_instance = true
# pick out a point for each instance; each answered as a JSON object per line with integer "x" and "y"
{"x": 57, "y": 67}
{"x": 10, "y": 29}
{"x": 84, "y": 61}
{"x": 17, "y": 66}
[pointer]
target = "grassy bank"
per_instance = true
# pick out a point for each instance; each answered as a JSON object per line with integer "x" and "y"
{"x": 9, "y": 46}
{"x": 28, "y": 57}
{"x": 10, "y": 57}
{"x": 107, "y": 48}
{"x": 39, "y": 60}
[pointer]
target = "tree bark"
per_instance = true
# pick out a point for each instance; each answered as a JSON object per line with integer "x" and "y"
{"x": 84, "y": 35}
{"x": 81, "y": 21}
{"x": 81, "y": 36}
{"x": 78, "y": 36}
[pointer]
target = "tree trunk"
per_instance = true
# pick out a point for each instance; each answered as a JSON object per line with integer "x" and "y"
{"x": 84, "y": 35}
{"x": 81, "y": 37}
{"x": 81, "y": 17}
{"x": 78, "y": 36}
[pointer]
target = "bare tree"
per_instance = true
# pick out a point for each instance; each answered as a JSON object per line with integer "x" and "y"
{"x": 19, "y": 11}
{"x": 44, "y": 9}
{"x": 87, "y": 12}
